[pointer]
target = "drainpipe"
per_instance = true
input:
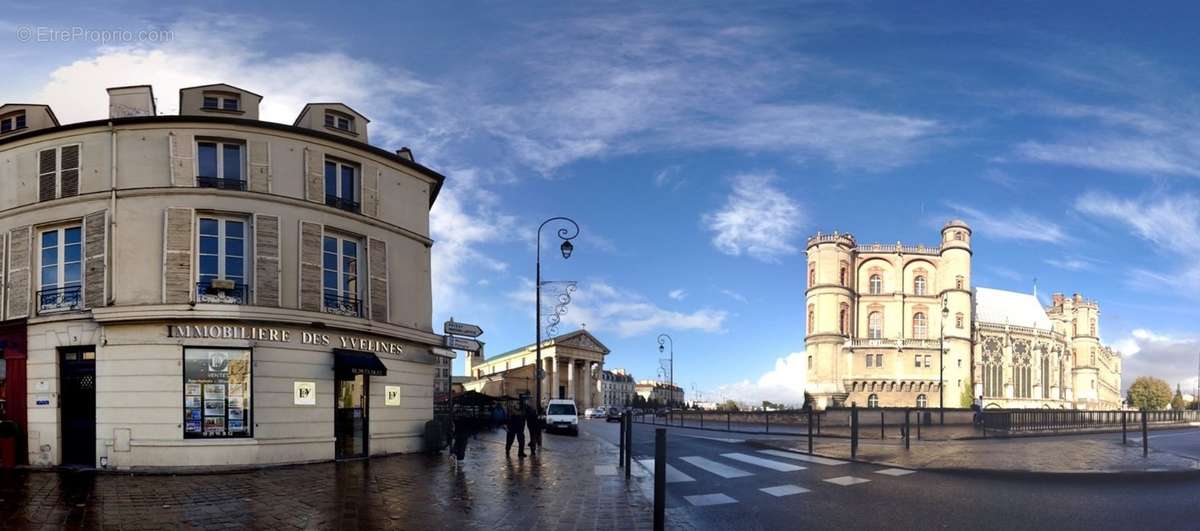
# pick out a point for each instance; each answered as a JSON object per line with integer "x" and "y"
{"x": 112, "y": 216}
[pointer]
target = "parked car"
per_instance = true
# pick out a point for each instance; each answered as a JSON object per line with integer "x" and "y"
{"x": 598, "y": 413}
{"x": 561, "y": 415}
{"x": 614, "y": 415}
{"x": 587, "y": 413}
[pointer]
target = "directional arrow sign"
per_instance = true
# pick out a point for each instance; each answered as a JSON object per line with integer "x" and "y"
{"x": 462, "y": 329}
{"x": 462, "y": 343}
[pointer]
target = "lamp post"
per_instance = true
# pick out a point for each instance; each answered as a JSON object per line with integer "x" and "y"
{"x": 566, "y": 234}
{"x": 663, "y": 339}
{"x": 942, "y": 364}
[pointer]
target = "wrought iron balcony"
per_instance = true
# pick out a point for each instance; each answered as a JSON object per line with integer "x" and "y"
{"x": 223, "y": 184}
{"x": 341, "y": 305}
{"x": 221, "y": 292}
{"x": 342, "y": 203}
{"x": 60, "y": 299}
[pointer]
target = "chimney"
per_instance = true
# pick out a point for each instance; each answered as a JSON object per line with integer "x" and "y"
{"x": 406, "y": 153}
{"x": 125, "y": 102}
{"x": 1058, "y": 299}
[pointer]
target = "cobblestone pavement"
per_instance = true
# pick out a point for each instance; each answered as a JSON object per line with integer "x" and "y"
{"x": 561, "y": 488}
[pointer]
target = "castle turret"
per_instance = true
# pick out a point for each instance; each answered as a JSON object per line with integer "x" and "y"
{"x": 829, "y": 309}
{"x": 954, "y": 280}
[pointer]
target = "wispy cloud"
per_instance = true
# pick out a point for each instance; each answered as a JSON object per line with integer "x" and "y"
{"x": 734, "y": 295}
{"x": 782, "y": 384}
{"x": 1070, "y": 264}
{"x": 607, "y": 308}
{"x": 758, "y": 219}
{"x": 677, "y": 294}
{"x": 670, "y": 177}
{"x": 1013, "y": 225}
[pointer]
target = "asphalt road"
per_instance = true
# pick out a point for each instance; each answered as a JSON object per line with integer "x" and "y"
{"x": 719, "y": 483}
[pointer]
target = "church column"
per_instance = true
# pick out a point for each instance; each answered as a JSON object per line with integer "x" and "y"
{"x": 554, "y": 377}
{"x": 571, "y": 378}
{"x": 587, "y": 384}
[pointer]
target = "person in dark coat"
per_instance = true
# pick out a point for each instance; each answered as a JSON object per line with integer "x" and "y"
{"x": 534, "y": 421}
{"x": 516, "y": 429}
{"x": 464, "y": 428}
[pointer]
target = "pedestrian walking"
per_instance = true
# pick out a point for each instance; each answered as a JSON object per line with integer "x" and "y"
{"x": 498, "y": 417}
{"x": 464, "y": 428}
{"x": 516, "y": 430}
{"x": 534, "y": 420}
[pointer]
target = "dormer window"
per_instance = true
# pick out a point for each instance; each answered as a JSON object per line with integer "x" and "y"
{"x": 339, "y": 121}
{"x": 222, "y": 101}
{"x": 12, "y": 122}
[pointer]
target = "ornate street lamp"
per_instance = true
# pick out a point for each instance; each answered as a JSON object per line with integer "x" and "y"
{"x": 567, "y": 233}
{"x": 942, "y": 363}
{"x": 663, "y": 339}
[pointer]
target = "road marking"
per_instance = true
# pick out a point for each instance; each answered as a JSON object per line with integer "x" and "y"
{"x": 1172, "y": 434}
{"x": 766, "y": 463}
{"x": 709, "y": 465}
{"x": 784, "y": 490}
{"x": 802, "y": 457}
{"x": 718, "y": 439}
{"x": 896, "y": 472}
{"x": 673, "y": 474}
{"x": 701, "y": 500}
{"x": 606, "y": 470}
{"x": 846, "y": 481}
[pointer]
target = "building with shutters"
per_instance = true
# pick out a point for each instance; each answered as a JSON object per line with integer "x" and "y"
{"x": 880, "y": 316}
{"x": 616, "y": 388}
{"x": 211, "y": 289}
{"x": 658, "y": 393}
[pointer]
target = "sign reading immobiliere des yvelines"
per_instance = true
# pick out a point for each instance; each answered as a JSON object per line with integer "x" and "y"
{"x": 283, "y": 335}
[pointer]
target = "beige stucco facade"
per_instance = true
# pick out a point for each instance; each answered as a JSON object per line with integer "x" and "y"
{"x": 138, "y": 194}
{"x": 573, "y": 363}
{"x": 880, "y": 315}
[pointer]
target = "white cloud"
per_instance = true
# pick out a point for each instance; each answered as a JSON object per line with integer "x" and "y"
{"x": 677, "y": 294}
{"x": 1070, "y": 264}
{"x": 782, "y": 384}
{"x": 734, "y": 295}
{"x": 1015, "y": 225}
{"x": 1171, "y": 357}
{"x": 460, "y": 228}
{"x": 757, "y": 219}
{"x": 669, "y": 176}
{"x": 603, "y": 307}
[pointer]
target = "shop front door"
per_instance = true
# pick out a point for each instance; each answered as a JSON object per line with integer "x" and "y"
{"x": 77, "y": 402}
{"x": 350, "y": 416}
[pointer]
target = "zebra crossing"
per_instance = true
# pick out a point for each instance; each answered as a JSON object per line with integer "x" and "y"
{"x": 748, "y": 464}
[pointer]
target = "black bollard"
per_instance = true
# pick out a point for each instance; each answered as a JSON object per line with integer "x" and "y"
{"x": 907, "y": 427}
{"x": 629, "y": 448}
{"x": 621, "y": 442}
{"x": 882, "y": 434}
{"x": 1124, "y": 436}
{"x": 767, "y": 415}
{"x": 853, "y": 431}
{"x": 810, "y": 435}
{"x": 660, "y": 479}
{"x": 1145, "y": 437}
{"x": 726, "y": 421}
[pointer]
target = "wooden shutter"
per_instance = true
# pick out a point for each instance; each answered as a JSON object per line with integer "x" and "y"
{"x": 95, "y": 226}
{"x": 70, "y": 171}
{"x": 47, "y": 174}
{"x": 177, "y": 255}
{"x": 314, "y": 175}
{"x": 183, "y": 166}
{"x": 260, "y": 166}
{"x": 266, "y": 260}
{"x": 310, "y": 266}
{"x": 377, "y": 262}
{"x": 370, "y": 190}
{"x": 19, "y": 240}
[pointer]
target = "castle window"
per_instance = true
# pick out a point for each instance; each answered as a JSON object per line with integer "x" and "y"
{"x": 879, "y": 360}
{"x": 1074, "y": 327}
{"x": 917, "y": 361}
{"x": 812, "y": 275}
{"x": 1045, "y": 375}
{"x": 1093, "y": 334}
{"x": 842, "y": 274}
{"x": 876, "y": 284}
{"x": 810, "y": 365}
{"x": 922, "y": 402}
{"x": 927, "y": 359}
{"x": 873, "y": 400}
{"x": 812, "y": 317}
{"x": 958, "y": 320}
{"x": 843, "y": 318}
{"x": 875, "y": 325}
{"x": 919, "y": 285}
{"x": 920, "y": 326}
{"x": 958, "y": 235}
{"x": 870, "y": 360}
{"x": 958, "y": 282}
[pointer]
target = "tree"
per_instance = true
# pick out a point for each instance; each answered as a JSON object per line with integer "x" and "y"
{"x": 1148, "y": 392}
{"x": 728, "y": 405}
{"x": 1177, "y": 402}
{"x": 965, "y": 399}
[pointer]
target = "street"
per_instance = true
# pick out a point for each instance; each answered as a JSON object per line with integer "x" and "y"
{"x": 721, "y": 482}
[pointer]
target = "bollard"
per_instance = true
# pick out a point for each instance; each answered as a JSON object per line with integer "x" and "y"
{"x": 767, "y": 415}
{"x": 810, "y": 439}
{"x": 918, "y": 425}
{"x": 727, "y": 421}
{"x": 882, "y": 434}
{"x": 1124, "y": 436}
{"x": 907, "y": 427}
{"x": 853, "y": 431}
{"x": 1145, "y": 437}
{"x": 660, "y": 479}
{"x": 701, "y": 419}
{"x": 819, "y": 424}
{"x": 629, "y": 446}
{"x": 621, "y": 443}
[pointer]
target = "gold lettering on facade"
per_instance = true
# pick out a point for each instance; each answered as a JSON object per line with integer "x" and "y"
{"x": 279, "y": 335}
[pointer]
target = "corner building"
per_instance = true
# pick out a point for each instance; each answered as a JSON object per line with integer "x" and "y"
{"x": 879, "y": 317}
{"x": 211, "y": 289}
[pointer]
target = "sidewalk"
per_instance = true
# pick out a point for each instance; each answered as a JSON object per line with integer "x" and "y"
{"x": 559, "y": 489}
{"x": 1063, "y": 455}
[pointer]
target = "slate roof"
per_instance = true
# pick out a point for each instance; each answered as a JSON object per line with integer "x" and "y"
{"x": 1000, "y": 307}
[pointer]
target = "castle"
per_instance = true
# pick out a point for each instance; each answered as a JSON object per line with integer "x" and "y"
{"x": 894, "y": 325}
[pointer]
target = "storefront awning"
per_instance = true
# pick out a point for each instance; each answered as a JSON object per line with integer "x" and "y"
{"x": 357, "y": 362}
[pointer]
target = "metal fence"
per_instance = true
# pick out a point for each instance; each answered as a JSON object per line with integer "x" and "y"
{"x": 1058, "y": 420}
{"x": 883, "y": 422}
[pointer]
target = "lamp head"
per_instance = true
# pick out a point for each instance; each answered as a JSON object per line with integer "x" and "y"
{"x": 660, "y": 348}
{"x": 566, "y": 248}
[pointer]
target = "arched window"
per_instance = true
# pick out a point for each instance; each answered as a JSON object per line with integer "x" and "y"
{"x": 958, "y": 282}
{"x": 812, "y": 316}
{"x": 873, "y": 400}
{"x": 920, "y": 327}
{"x": 812, "y": 275}
{"x": 958, "y": 235}
{"x": 1045, "y": 375}
{"x": 1022, "y": 371}
{"x": 1074, "y": 327}
{"x": 843, "y": 318}
{"x": 1062, "y": 371}
{"x": 958, "y": 320}
{"x": 875, "y": 325}
{"x": 876, "y": 284}
{"x": 842, "y": 274}
{"x": 993, "y": 370}
{"x": 922, "y": 402}
{"x": 919, "y": 285}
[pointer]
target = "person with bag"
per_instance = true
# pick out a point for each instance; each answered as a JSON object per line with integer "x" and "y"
{"x": 516, "y": 430}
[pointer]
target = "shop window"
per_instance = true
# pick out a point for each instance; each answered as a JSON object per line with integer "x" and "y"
{"x": 221, "y": 260}
{"x": 216, "y": 393}
{"x": 60, "y": 281}
{"x": 340, "y": 276}
{"x": 341, "y": 185}
{"x": 220, "y": 165}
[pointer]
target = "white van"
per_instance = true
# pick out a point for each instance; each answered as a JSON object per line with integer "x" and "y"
{"x": 562, "y": 415}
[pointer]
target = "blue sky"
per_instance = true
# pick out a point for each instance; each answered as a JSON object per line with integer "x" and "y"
{"x": 698, "y": 145}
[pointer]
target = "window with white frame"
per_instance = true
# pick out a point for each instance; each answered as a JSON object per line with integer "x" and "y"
{"x": 12, "y": 122}
{"x": 341, "y": 274}
{"x": 220, "y": 164}
{"x": 920, "y": 326}
{"x": 922, "y": 401}
{"x": 919, "y": 285}
{"x": 222, "y": 101}
{"x": 876, "y": 284}
{"x": 340, "y": 121}
{"x": 341, "y": 184}
{"x": 61, "y": 269}
{"x": 873, "y": 400}
{"x": 875, "y": 325}
{"x": 221, "y": 260}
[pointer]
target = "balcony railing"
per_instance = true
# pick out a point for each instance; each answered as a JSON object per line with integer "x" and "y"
{"x": 60, "y": 299}
{"x": 342, "y": 305}
{"x": 342, "y": 203}
{"x": 894, "y": 343}
{"x": 221, "y": 293}
{"x": 224, "y": 184}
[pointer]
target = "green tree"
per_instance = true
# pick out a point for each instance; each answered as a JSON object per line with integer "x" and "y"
{"x": 965, "y": 399}
{"x": 1177, "y": 402}
{"x": 728, "y": 405}
{"x": 1148, "y": 392}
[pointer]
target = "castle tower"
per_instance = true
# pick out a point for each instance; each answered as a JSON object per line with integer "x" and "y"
{"x": 954, "y": 282}
{"x": 829, "y": 310}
